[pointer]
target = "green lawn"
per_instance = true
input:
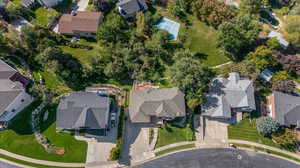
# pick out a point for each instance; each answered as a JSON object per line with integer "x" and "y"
{"x": 203, "y": 39}
{"x": 171, "y": 134}
{"x": 246, "y": 130}
{"x": 51, "y": 81}
{"x": 19, "y": 139}
{"x": 83, "y": 55}
{"x": 175, "y": 149}
{"x": 44, "y": 16}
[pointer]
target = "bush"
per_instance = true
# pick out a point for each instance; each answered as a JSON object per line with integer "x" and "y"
{"x": 267, "y": 126}
{"x": 286, "y": 139}
{"x": 75, "y": 45}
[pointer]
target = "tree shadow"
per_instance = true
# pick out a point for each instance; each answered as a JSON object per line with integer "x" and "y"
{"x": 21, "y": 124}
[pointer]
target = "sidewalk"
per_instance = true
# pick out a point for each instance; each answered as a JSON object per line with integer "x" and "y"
{"x": 42, "y": 162}
{"x": 264, "y": 146}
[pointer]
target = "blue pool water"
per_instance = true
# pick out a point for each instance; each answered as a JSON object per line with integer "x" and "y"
{"x": 170, "y": 26}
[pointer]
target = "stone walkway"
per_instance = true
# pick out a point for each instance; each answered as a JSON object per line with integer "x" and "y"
{"x": 218, "y": 66}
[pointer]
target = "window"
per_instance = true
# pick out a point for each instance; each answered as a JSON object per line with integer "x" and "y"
{"x": 22, "y": 100}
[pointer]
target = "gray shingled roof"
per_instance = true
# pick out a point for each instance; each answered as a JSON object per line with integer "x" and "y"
{"x": 132, "y": 6}
{"x": 287, "y": 108}
{"x": 83, "y": 109}
{"x": 227, "y": 93}
{"x": 167, "y": 102}
{"x": 9, "y": 90}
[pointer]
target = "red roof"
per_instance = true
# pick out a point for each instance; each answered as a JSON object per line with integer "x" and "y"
{"x": 83, "y": 21}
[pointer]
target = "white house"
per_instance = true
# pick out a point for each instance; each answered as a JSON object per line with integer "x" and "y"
{"x": 13, "y": 97}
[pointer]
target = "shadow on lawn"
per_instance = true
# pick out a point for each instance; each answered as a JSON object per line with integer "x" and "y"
{"x": 21, "y": 124}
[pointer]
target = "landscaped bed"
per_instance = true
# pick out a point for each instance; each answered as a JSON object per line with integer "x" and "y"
{"x": 20, "y": 139}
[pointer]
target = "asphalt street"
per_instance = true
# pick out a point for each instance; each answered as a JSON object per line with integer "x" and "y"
{"x": 6, "y": 165}
{"x": 218, "y": 158}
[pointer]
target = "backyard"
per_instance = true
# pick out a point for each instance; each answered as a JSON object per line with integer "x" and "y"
{"x": 20, "y": 139}
{"x": 203, "y": 40}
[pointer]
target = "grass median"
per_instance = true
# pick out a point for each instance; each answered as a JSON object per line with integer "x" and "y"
{"x": 175, "y": 149}
{"x": 268, "y": 151}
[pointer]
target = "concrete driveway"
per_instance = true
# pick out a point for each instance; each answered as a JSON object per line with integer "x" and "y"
{"x": 136, "y": 143}
{"x": 82, "y": 5}
{"x": 215, "y": 130}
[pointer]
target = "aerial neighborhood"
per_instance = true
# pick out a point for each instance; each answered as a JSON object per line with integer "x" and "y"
{"x": 127, "y": 83}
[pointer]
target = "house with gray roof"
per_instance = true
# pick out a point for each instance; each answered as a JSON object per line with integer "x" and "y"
{"x": 227, "y": 96}
{"x": 285, "y": 108}
{"x": 128, "y": 8}
{"x": 13, "y": 96}
{"x": 153, "y": 105}
{"x": 84, "y": 110}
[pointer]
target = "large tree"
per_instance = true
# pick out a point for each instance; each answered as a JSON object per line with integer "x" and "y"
{"x": 263, "y": 58}
{"x": 291, "y": 29}
{"x": 115, "y": 30}
{"x": 190, "y": 75}
{"x": 236, "y": 38}
{"x": 250, "y": 6}
{"x": 212, "y": 12}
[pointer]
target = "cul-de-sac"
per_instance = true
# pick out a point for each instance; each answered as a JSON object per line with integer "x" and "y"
{"x": 149, "y": 83}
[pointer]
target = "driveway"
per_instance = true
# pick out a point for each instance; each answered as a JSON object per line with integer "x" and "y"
{"x": 218, "y": 158}
{"x": 136, "y": 142}
{"x": 82, "y": 5}
{"x": 215, "y": 130}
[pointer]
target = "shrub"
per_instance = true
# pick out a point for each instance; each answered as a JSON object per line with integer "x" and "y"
{"x": 286, "y": 139}
{"x": 267, "y": 126}
{"x": 75, "y": 45}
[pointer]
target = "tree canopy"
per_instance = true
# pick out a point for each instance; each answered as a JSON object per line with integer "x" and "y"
{"x": 191, "y": 76}
{"x": 236, "y": 38}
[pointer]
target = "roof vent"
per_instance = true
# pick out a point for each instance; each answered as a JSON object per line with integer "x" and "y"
{"x": 73, "y": 13}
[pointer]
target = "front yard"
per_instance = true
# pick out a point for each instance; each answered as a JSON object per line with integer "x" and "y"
{"x": 246, "y": 130}
{"x": 173, "y": 134}
{"x": 20, "y": 139}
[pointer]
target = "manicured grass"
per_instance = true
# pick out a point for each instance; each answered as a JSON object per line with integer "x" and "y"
{"x": 27, "y": 163}
{"x": 268, "y": 151}
{"x": 175, "y": 149}
{"x": 83, "y": 55}
{"x": 45, "y": 16}
{"x": 203, "y": 39}
{"x": 246, "y": 130}
{"x": 171, "y": 134}
{"x": 20, "y": 139}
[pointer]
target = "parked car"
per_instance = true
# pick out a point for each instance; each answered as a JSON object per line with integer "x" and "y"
{"x": 113, "y": 117}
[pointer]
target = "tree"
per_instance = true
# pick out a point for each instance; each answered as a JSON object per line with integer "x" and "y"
{"x": 285, "y": 86}
{"x": 113, "y": 31}
{"x": 290, "y": 63}
{"x": 281, "y": 76}
{"x": 212, "y": 12}
{"x": 291, "y": 29}
{"x": 273, "y": 44}
{"x": 30, "y": 36}
{"x": 192, "y": 77}
{"x": 267, "y": 126}
{"x": 250, "y": 6}
{"x": 263, "y": 58}
{"x": 236, "y": 38}
{"x": 244, "y": 68}
{"x": 4, "y": 48}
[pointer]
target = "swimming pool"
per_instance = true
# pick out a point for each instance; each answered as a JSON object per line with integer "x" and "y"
{"x": 170, "y": 26}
